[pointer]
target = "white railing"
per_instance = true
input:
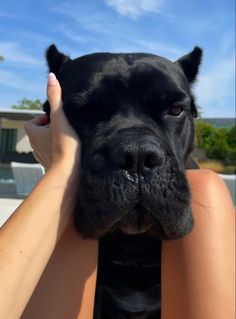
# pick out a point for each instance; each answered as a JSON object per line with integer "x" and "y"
{"x": 230, "y": 181}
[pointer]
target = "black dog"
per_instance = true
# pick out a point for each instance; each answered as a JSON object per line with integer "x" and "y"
{"x": 134, "y": 115}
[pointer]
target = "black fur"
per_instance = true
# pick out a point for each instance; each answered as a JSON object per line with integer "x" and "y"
{"x": 134, "y": 115}
{"x": 190, "y": 64}
{"x": 55, "y": 59}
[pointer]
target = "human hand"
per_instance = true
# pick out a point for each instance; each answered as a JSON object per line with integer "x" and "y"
{"x": 55, "y": 141}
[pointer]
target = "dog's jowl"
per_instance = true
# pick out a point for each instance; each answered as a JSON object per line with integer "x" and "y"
{"x": 134, "y": 115}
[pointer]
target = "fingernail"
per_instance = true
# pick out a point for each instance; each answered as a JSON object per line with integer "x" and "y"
{"x": 52, "y": 80}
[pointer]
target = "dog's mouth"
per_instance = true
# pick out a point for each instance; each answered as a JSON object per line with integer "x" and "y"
{"x": 139, "y": 220}
{"x": 155, "y": 203}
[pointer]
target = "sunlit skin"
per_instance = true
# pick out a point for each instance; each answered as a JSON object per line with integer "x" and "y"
{"x": 197, "y": 270}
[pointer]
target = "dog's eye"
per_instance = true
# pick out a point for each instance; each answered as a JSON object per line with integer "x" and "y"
{"x": 175, "y": 110}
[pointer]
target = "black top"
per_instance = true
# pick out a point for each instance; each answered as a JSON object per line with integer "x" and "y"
{"x": 129, "y": 275}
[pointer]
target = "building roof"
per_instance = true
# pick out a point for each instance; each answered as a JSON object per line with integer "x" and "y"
{"x": 20, "y": 115}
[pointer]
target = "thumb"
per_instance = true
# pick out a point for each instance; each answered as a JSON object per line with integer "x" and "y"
{"x": 54, "y": 93}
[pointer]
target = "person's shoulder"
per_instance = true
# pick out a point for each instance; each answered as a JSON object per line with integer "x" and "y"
{"x": 208, "y": 183}
{"x": 204, "y": 176}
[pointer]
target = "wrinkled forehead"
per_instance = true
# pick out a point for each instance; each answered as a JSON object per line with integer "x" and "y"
{"x": 121, "y": 73}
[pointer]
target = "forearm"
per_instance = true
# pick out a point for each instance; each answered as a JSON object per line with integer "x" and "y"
{"x": 28, "y": 238}
{"x": 198, "y": 271}
{"x": 66, "y": 288}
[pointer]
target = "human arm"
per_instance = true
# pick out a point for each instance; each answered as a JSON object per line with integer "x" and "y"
{"x": 28, "y": 238}
{"x": 198, "y": 270}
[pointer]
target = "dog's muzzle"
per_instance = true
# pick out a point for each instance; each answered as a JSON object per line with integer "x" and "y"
{"x": 134, "y": 151}
{"x": 133, "y": 184}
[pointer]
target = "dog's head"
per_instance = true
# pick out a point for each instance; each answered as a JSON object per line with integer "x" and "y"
{"x": 134, "y": 115}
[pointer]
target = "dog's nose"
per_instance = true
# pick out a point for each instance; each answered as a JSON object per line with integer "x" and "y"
{"x": 136, "y": 157}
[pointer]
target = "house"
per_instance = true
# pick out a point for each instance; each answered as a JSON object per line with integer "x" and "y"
{"x": 15, "y": 147}
{"x": 13, "y": 138}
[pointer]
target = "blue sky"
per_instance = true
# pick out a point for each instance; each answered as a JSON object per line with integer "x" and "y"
{"x": 169, "y": 28}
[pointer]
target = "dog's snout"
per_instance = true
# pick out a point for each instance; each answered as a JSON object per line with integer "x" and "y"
{"x": 136, "y": 157}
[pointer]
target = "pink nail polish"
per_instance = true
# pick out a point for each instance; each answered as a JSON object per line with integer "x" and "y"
{"x": 52, "y": 80}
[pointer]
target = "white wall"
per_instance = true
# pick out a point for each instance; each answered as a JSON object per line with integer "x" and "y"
{"x": 22, "y": 144}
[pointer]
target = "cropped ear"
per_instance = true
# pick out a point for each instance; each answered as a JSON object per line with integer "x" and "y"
{"x": 46, "y": 108}
{"x": 55, "y": 59}
{"x": 190, "y": 64}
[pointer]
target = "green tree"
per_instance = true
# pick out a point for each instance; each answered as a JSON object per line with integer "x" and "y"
{"x": 26, "y": 104}
{"x": 218, "y": 143}
{"x": 231, "y": 139}
{"x": 219, "y": 147}
{"x": 232, "y": 136}
{"x": 205, "y": 134}
{"x": 1, "y": 58}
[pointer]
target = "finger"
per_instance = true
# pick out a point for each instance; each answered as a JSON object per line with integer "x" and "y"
{"x": 40, "y": 120}
{"x": 54, "y": 93}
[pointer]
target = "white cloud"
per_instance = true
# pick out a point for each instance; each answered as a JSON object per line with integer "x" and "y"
{"x": 12, "y": 53}
{"x": 100, "y": 33}
{"x": 119, "y": 43}
{"x": 216, "y": 88}
{"x": 171, "y": 52}
{"x": 74, "y": 36}
{"x": 86, "y": 18}
{"x": 135, "y": 8}
{"x": 15, "y": 87}
{"x": 10, "y": 79}
{"x": 228, "y": 42}
{"x": 95, "y": 20}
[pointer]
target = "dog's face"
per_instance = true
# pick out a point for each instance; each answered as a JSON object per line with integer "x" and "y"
{"x": 134, "y": 115}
